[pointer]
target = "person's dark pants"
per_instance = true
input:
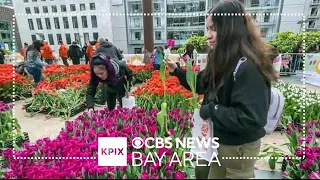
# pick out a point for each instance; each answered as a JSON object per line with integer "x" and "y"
{"x": 1, "y": 61}
{"x": 87, "y": 59}
{"x": 103, "y": 97}
{"x": 156, "y": 67}
{"x": 295, "y": 63}
{"x": 75, "y": 61}
{"x": 37, "y": 75}
{"x": 49, "y": 61}
{"x": 112, "y": 99}
{"x": 65, "y": 61}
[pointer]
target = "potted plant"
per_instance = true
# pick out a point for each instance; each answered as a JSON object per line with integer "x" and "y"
{"x": 128, "y": 101}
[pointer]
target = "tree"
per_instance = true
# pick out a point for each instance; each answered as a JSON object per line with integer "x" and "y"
{"x": 286, "y": 40}
{"x": 199, "y": 43}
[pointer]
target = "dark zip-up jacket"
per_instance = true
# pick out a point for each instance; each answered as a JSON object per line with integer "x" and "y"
{"x": 110, "y": 50}
{"x": 239, "y": 113}
{"x": 124, "y": 73}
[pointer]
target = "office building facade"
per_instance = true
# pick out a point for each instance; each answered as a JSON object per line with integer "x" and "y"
{"x": 6, "y": 29}
{"x": 6, "y": 2}
{"x": 73, "y": 20}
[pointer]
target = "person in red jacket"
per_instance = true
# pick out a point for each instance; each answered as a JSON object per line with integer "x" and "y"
{"x": 90, "y": 50}
{"x": 47, "y": 53}
{"x": 63, "y": 53}
{"x": 23, "y": 51}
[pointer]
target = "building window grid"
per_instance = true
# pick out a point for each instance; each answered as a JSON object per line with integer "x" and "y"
{"x": 94, "y": 21}
{"x": 82, "y": 7}
{"x": 63, "y": 8}
{"x": 56, "y": 23}
{"x": 73, "y": 7}
{"x": 28, "y": 10}
{"x": 92, "y": 6}
{"x": 50, "y": 37}
{"x": 75, "y": 22}
{"x": 68, "y": 38}
{"x": 54, "y": 8}
{"x": 84, "y": 21}
{"x": 30, "y": 22}
{"x": 45, "y": 9}
{"x": 65, "y": 22}
{"x": 36, "y": 10}
{"x": 59, "y": 37}
{"x": 48, "y": 23}
{"x": 39, "y": 23}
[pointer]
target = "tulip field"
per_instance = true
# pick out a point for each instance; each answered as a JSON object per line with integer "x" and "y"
{"x": 62, "y": 94}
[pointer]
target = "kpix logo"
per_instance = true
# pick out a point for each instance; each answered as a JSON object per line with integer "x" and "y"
{"x": 112, "y": 151}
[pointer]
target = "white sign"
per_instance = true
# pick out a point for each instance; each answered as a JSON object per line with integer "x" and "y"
{"x": 112, "y": 151}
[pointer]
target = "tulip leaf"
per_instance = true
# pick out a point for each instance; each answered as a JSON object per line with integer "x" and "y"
{"x": 272, "y": 162}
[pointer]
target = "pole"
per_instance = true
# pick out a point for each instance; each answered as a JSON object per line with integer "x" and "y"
{"x": 148, "y": 33}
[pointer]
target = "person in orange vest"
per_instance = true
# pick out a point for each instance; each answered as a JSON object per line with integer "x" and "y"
{"x": 63, "y": 53}
{"x": 90, "y": 49}
{"x": 47, "y": 53}
{"x": 23, "y": 51}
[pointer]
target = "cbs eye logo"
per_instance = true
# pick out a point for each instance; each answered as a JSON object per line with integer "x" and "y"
{"x": 137, "y": 143}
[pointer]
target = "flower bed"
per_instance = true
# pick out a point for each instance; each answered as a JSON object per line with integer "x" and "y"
{"x": 296, "y": 101}
{"x": 141, "y": 72}
{"x": 9, "y": 137}
{"x": 79, "y": 139}
{"x": 150, "y": 94}
{"x": 60, "y": 97}
{"x": 22, "y": 85}
{"x": 306, "y": 165}
{"x": 56, "y": 72}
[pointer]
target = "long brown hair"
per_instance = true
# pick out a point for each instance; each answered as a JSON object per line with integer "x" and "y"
{"x": 237, "y": 36}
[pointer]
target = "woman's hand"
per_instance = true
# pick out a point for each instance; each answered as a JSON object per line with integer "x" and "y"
{"x": 171, "y": 65}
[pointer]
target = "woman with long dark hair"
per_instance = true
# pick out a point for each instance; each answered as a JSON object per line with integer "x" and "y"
{"x": 35, "y": 65}
{"x": 236, "y": 103}
{"x": 190, "y": 53}
{"x": 114, "y": 73}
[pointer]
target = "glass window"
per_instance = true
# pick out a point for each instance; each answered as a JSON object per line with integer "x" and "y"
{"x": 48, "y": 23}
{"x": 45, "y": 9}
{"x": 75, "y": 22}
{"x": 30, "y": 22}
{"x": 94, "y": 21}
{"x": 54, "y": 9}
{"x": 92, "y": 6}
{"x": 33, "y": 37}
{"x": 77, "y": 38}
{"x": 28, "y": 11}
{"x": 82, "y": 7}
{"x": 84, "y": 21}
{"x": 63, "y": 8}
{"x": 51, "y": 41}
{"x": 39, "y": 23}
{"x": 95, "y": 36}
{"x": 158, "y": 35}
{"x": 65, "y": 22}
{"x": 86, "y": 37}
{"x": 59, "y": 37}
{"x": 56, "y": 23}
{"x": 72, "y": 7}
{"x": 68, "y": 38}
{"x": 36, "y": 10}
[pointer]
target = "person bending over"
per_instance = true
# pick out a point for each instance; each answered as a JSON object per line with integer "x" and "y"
{"x": 114, "y": 74}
